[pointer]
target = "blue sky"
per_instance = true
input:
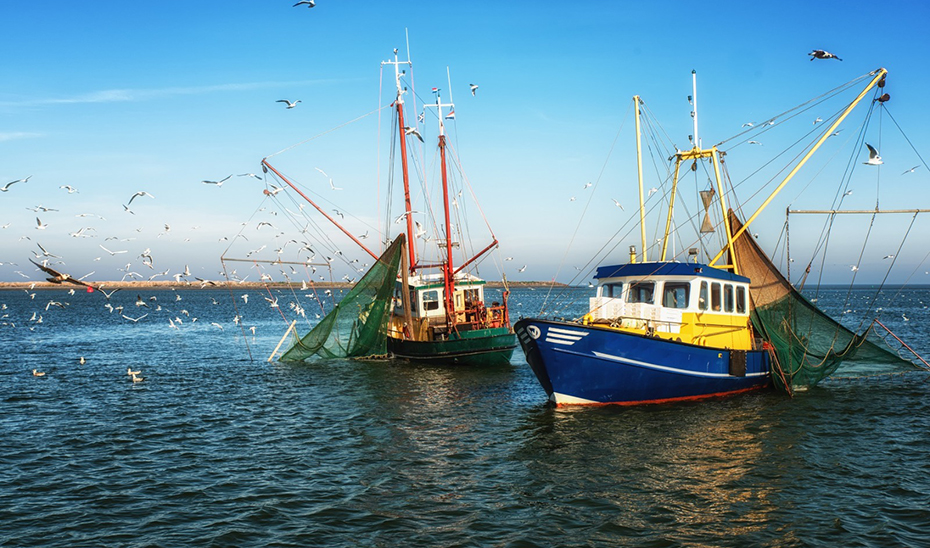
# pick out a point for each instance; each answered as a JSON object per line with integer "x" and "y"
{"x": 116, "y": 97}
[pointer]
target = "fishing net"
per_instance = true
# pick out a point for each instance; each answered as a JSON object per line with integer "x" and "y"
{"x": 808, "y": 345}
{"x": 357, "y": 326}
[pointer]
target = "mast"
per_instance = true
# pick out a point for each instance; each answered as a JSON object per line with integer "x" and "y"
{"x": 639, "y": 171}
{"x": 399, "y": 105}
{"x": 447, "y": 270}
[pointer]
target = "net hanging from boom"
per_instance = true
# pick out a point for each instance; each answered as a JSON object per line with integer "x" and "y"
{"x": 357, "y": 326}
{"x": 808, "y": 345}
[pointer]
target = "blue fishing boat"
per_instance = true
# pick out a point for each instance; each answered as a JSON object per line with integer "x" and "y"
{"x": 670, "y": 330}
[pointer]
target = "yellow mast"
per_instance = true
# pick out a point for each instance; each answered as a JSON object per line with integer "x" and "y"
{"x": 639, "y": 171}
{"x": 879, "y": 74}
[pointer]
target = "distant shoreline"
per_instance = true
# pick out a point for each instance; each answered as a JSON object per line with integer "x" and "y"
{"x": 215, "y": 284}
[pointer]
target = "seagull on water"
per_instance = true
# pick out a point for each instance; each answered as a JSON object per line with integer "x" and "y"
{"x": 290, "y": 105}
{"x": 37, "y": 373}
{"x": 821, "y": 54}
{"x": 874, "y": 158}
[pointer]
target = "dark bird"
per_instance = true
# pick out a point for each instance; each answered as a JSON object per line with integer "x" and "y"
{"x": 821, "y": 54}
{"x": 58, "y": 277}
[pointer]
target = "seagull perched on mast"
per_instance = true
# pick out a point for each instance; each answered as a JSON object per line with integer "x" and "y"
{"x": 874, "y": 158}
{"x": 821, "y": 54}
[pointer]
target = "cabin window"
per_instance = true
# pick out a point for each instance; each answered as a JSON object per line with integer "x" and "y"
{"x": 728, "y": 298}
{"x": 702, "y": 296}
{"x": 472, "y": 298}
{"x": 613, "y": 291}
{"x": 431, "y": 300}
{"x": 715, "y": 297}
{"x": 675, "y": 295}
{"x": 642, "y": 292}
{"x": 741, "y": 299}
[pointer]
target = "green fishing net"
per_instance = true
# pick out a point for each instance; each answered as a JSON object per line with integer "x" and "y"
{"x": 357, "y": 326}
{"x": 808, "y": 346}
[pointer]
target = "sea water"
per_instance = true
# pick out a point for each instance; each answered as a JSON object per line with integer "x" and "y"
{"x": 218, "y": 447}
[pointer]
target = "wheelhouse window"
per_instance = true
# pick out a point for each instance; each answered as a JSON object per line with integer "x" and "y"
{"x": 715, "y": 297}
{"x": 431, "y": 300}
{"x": 675, "y": 294}
{"x": 613, "y": 291}
{"x": 741, "y": 299}
{"x": 472, "y": 297}
{"x": 641, "y": 292}
{"x": 702, "y": 296}
{"x": 728, "y": 298}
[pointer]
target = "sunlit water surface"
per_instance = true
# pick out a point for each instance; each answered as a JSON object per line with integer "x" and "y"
{"x": 216, "y": 449}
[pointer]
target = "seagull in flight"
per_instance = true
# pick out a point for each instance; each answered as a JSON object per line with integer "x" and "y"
{"x": 308, "y": 3}
{"x": 474, "y": 88}
{"x": 7, "y": 186}
{"x": 39, "y": 225}
{"x": 521, "y": 269}
{"x": 69, "y": 188}
{"x": 586, "y": 185}
{"x": 137, "y": 194}
{"x": 910, "y": 170}
{"x": 254, "y": 176}
{"x": 754, "y": 143}
{"x": 748, "y": 124}
{"x": 874, "y": 158}
{"x": 58, "y": 277}
{"x": 217, "y": 183}
{"x": 290, "y": 105}
{"x": 402, "y": 215}
{"x": 821, "y": 54}
{"x": 112, "y": 252}
{"x": 413, "y": 131}
{"x": 616, "y": 203}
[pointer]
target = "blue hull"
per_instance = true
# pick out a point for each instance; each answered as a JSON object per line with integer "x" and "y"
{"x": 578, "y": 364}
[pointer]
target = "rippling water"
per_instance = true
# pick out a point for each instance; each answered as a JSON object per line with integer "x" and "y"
{"x": 215, "y": 449}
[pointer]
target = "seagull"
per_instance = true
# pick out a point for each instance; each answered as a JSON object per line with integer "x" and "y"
{"x": 508, "y": 258}
{"x": 848, "y": 193}
{"x": 69, "y": 188}
{"x": 140, "y": 302}
{"x": 136, "y": 378}
{"x": 39, "y": 225}
{"x": 572, "y": 199}
{"x": 217, "y": 325}
{"x": 413, "y": 131}
{"x": 874, "y": 158}
{"x": 474, "y": 88}
{"x": 616, "y": 203}
{"x": 37, "y": 373}
{"x": 748, "y": 124}
{"x": 910, "y": 170}
{"x": 339, "y": 213}
{"x": 254, "y": 176}
{"x": 818, "y": 120}
{"x": 652, "y": 191}
{"x": 134, "y": 320}
{"x": 521, "y": 269}
{"x": 888, "y": 257}
{"x": 309, "y": 3}
{"x": 217, "y": 183}
{"x": 6, "y": 187}
{"x": 112, "y": 252}
{"x": 82, "y": 361}
{"x": 245, "y": 298}
{"x": 290, "y": 105}
{"x": 274, "y": 190}
{"x": 137, "y": 194}
{"x": 586, "y": 185}
{"x": 754, "y": 143}
{"x": 110, "y": 294}
{"x": 332, "y": 186}
{"x": 853, "y": 268}
{"x": 402, "y": 215}
{"x": 130, "y": 372}
{"x": 821, "y": 54}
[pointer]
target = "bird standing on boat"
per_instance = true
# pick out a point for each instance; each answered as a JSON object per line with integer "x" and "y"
{"x": 821, "y": 54}
{"x": 874, "y": 158}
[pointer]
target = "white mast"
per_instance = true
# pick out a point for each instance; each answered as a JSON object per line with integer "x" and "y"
{"x": 697, "y": 142}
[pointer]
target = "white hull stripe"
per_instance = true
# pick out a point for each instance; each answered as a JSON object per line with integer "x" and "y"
{"x": 553, "y": 330}
{"x": 671, "y": 369}
{"x": 563, "y": 337}
{"x": 559, "y": 341}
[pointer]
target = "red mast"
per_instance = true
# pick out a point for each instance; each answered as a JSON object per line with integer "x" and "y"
{"x": 402, "y": 129}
